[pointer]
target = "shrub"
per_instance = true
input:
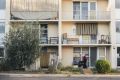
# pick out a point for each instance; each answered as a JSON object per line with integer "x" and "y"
{"x": 3, "y": 65}
{"x": 70, "y": 69}
{"x": 52, "y": 69}
{"x": 103, "y": 66}
{"x": 59, "y": 66}
{"x": 22, "y": 46}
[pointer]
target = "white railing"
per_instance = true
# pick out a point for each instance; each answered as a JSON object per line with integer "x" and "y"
{"x": 90, "y": 15}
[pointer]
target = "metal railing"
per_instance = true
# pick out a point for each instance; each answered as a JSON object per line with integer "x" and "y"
{"x": 34, "y": 15}
{"x": 100, "y": 39}
{"x": 51, "y": 40}
{"x": 86, "y": 15}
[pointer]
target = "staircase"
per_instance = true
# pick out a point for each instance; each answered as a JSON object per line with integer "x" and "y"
{"x": 87, "y": 71}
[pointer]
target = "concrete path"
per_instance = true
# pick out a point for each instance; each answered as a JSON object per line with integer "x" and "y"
{"x": 6, "y": 76}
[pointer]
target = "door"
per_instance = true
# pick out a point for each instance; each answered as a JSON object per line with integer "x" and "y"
{"x": 44, "y": 60}
{"x": 93, "y": 56}
{"x": 76, "y": 10}
{"x": 84, "y": 10}
{"x": 118, "y": 56}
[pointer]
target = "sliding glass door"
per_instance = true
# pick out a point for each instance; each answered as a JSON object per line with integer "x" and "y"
{"x": 76, "y": 10}
{"x": 84, "y": 10}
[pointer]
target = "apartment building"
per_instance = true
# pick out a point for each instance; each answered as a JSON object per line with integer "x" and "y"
{"x": 69, "y": 29}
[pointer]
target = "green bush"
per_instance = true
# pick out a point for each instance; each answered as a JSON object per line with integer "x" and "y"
{"x": 70, "y": 69}
{"x": 3, "y": 65}
{"x": 103, "y": 66}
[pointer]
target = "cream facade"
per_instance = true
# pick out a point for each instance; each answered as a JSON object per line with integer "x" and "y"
{"x": 70, "y": 29}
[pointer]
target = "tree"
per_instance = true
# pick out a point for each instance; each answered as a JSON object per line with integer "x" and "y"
{"x": 22, "y": 46}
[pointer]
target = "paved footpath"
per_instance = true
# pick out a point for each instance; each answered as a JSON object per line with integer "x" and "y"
{"x": 57, "y": 77}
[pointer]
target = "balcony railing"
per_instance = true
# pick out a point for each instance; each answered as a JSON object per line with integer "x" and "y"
{"x": 51, "y": 40}
{"x": 89, "y": 15}
{"x": 1, "y": 38}
{"x": 34, "y": 15}
{"x": 102, "y": 39}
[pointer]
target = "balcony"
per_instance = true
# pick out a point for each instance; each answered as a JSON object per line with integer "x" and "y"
{"x": 50, "y": 40}
{"x": 34, "y": 15}
{"x": 89, "y": 15}
{"x": 2, "y": 38}
{"x": 88, "y": 39}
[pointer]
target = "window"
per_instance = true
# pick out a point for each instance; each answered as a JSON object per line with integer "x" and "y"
{"x": 2, "y": 4}
{"x": 84, "y": 9}
{"x": 44, "y": 33}
{"x": 2, "y": 28}
{"x": 76, "y": 55}
{"x": 76, "y": 50}
{"x": 118, "y": 26}
{"x": 76, "y": 10}
{"x": 1, "y": 52}
{"x": 117, "y": 4}
{"x": 118, "y": 32}
{"x": 102, "y": 53}
{"x": 92, "y": 6}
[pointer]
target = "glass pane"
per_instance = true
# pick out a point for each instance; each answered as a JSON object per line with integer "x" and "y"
{"x": 108, "y": 53}
{"x": 102, "y": 51}
{"x": 76, "y": 10}
{"x": 93, "y": 39}
{"x": 84, "y": 10}
{"x": 92, "y": 6}
{"x": 2, "y": 4}
{"x": 2, "y": 28}
{"x": 76, "y": 49}
{"x": 118, "y": 26}
{"x": 117, "y": 4}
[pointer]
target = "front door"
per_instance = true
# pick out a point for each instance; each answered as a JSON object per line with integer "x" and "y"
{"x": 44, "y": 60}
{"x": 118, "y": 56}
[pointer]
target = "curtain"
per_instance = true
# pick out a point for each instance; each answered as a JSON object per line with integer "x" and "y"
{"x": 86, "y": 29}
